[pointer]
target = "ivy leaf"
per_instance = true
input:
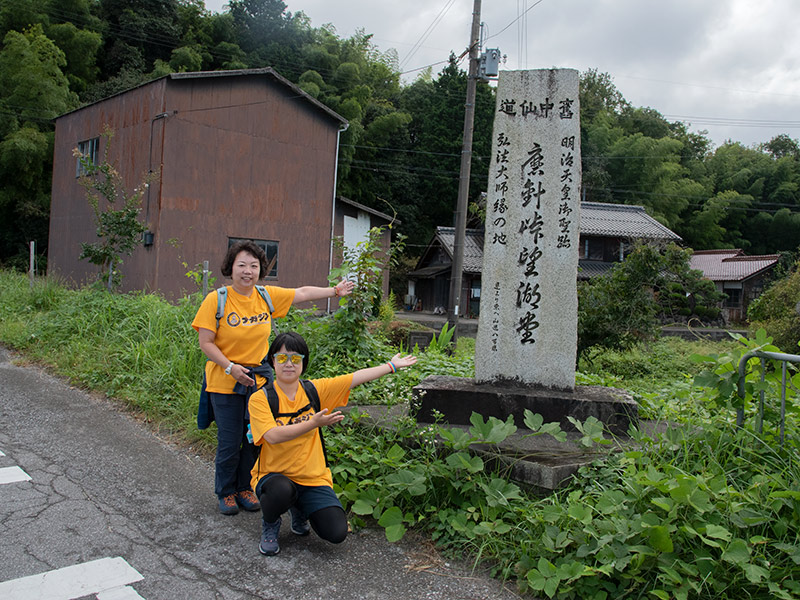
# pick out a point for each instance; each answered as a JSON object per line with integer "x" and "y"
{"x": 492, "y": 431}
{"x": 462, "y": 460}
{"x": 718, "y": 532}
{"x": 362, "y": 507}
{"x": 580, "y": 512}
{"x": 737, "y": 552}
{"x": 533, "y": 421}
{"x": 660, "y": 539}
{"x": 754, "y": 573}
{"x": 392, "y": 521}
{"x": 395, "y": 453}
{"x": 499, "y": 492}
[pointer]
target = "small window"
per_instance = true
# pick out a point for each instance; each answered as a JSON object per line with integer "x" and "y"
{"x": 91, "y": 150}
{"x": 592, "y": 249}
{"x": 734, "y": 299}
{"x": 271, "y": 250}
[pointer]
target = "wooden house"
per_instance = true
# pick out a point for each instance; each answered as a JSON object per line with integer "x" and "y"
{"x": 241, "y": 154}
{"x": 741, "y": 278}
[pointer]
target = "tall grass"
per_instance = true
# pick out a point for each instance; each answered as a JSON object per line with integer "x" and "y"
{"x": 135, "y": 347}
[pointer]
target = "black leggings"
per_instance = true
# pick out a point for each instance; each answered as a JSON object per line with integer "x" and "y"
{"x": 278, "y": 494}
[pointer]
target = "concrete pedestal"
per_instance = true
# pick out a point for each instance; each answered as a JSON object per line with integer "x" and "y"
{"x": 458, "y": 397}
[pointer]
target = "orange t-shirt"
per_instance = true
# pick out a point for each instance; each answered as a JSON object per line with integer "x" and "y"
{"x": 300, "y": 459}
{"x": 243, "y": 334}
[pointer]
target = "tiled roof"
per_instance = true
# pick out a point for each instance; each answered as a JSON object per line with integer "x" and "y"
{"x": 598, "y": 219}
{"x": 731, "y": 264}
{"x": 587, "y": 269}
{"x": 622, "y": 220}
{"x": 473, "y": 246}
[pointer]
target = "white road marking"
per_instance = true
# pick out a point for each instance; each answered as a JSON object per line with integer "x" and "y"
{"x": 122, "y": 593}
{"x": 12, "y": 475}
{"x": 93, "y": 577}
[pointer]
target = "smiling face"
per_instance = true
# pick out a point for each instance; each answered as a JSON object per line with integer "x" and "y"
{"x": 287, "y": 372}
{"x": 245, "y": 272}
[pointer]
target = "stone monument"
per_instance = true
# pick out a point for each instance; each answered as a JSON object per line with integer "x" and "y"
{"x": 525, "y": 351}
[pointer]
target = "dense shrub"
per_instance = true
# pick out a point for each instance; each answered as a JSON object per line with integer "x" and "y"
{"x": 776, "y": 311}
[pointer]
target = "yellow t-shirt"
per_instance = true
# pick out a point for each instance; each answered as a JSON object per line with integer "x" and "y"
{"x": 300, "y": 459}
{"x": 243, "y": 334}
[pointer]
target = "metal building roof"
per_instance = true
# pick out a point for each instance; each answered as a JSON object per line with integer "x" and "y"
{"x": 264, "y": 71}
{"x": 731, "y": 264}
{"x": 622, "y": 220}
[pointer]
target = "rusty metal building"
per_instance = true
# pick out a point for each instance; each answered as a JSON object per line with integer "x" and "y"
{"x": 234, "y": 154}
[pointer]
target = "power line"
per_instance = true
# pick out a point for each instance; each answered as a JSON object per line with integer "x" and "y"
{"x": 515, "y": 20}
{"x": 427, "y": 32}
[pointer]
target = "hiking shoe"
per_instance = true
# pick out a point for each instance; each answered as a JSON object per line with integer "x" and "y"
{"x": 300, "y": 524}
{"x": 227, "y": 505}
{"x": 247, "y": 500}
{"x": 269, "y": 537}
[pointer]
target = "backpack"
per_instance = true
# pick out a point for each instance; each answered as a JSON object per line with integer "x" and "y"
{"x": 313, "y": 397}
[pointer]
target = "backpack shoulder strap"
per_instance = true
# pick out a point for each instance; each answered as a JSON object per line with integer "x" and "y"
{"x": 311, "y": 392}
{"x": 313, "y": 398}
{"x": 265, "y": 295}
{"x": 272, "y": 399}
{"x": 222, "y": 298}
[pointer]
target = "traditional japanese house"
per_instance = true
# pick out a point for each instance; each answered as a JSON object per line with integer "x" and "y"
{"x": 607, "y": 233}
{"x": 741, "y": 278}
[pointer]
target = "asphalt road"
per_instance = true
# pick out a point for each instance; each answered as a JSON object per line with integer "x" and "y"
{"x": 113, "y": 512}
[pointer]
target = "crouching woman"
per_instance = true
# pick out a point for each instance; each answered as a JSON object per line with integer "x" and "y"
{"x": 291, "y": 473}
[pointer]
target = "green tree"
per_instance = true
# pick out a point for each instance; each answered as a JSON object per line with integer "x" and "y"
{"x": 782, "y": 145}
{"x": 143, "y": 31}
{"x": 33, "y": 90}
{"x": 622, "y": 307}
{"x": 776, "y": 311}
{"x": 434, "y": 145}
{"x": 116, "y": 213}
{"x": 647, "y": 171}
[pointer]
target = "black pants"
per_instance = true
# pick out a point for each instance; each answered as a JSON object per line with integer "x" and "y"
{"x": 278, "y": 494}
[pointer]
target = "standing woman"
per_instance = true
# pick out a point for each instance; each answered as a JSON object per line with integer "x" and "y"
{"x": 240, "y": 341}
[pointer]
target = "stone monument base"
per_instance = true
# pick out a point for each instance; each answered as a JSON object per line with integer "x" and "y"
{"x": 456, "y": 398}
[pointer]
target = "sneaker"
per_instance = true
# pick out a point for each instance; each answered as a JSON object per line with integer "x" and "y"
{"x": 247, "y": 500}
{"x": 269, "y": 537}
{"x": 227, "y": 505}
{"x": 300, "y": 524}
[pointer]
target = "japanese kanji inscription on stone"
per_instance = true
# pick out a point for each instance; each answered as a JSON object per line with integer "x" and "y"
{"x": 528, "y": 322}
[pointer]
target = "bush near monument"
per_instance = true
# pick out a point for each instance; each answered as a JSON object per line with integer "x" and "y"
{"x": 776, "y": 310}
{"x": 626, "y": 305}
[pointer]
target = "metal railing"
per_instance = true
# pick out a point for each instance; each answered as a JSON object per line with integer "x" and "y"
{"x": 784, "y": 358}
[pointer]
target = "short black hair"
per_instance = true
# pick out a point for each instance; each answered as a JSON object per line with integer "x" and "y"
{"x": 293, "y": 342}
{"x": 250, "y": 247}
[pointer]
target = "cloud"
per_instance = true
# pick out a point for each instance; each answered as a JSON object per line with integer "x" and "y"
{"x": 724, "y": 61}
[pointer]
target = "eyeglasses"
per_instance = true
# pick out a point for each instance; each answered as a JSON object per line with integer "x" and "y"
{"x": 295, "y": 358}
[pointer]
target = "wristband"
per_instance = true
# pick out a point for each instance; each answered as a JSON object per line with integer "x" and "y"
{"x": 228, "y": 369}
{"x": 336, "y": 290}
{"x": 392, "y": 367}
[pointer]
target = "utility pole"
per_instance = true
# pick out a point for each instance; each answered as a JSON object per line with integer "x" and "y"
{"x": 463, "y": 181}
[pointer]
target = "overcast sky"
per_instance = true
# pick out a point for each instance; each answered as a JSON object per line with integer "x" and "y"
{"x": 731, "y": 67}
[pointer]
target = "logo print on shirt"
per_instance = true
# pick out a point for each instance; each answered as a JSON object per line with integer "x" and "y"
{"x": 233, "y": 319}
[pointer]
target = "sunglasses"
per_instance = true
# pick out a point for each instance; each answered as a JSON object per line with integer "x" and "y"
{"x": 295, "y": 358}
